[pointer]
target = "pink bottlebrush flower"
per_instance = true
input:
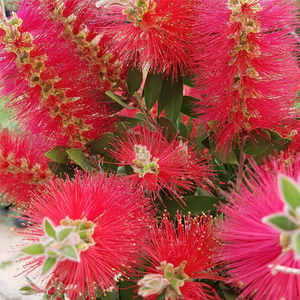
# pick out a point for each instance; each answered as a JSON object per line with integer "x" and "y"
{"x": 178, "y": 255}
{"x": 52, "y": 89}
{"x": 23, "y": 167}
{"x": 91, "y": 227}
{"x": 260, "y": 259}
{"x": 174, "y": 167}
{"x": 249, "y": 74}
{"x": 152, "y": 34}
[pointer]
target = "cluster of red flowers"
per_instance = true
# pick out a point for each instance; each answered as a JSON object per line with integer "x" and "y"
{"x": 70, "y": 66}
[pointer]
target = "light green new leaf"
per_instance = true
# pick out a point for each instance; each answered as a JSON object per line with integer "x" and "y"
{"x": 48, "y": 264}
{"x": 289, "y": 191}
{"x": 71, "y": 252}
{"x": 49, "y": 228}
{"x": 61, "y": 235}
{"x": 280, "y": 222}
{"x": 58, "y": 154}
{"x": 35, "y": 249}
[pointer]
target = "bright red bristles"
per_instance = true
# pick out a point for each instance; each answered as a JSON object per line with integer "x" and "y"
{"x": 259, "y": 262}
{"x": 152, "y": 34}
{"x": 173, "y": 167}
{"x": 120, "y": 218}
{"x": 190, "y": 246}
{"x": 249, "y": 74}
{"x": 23, "y": 166}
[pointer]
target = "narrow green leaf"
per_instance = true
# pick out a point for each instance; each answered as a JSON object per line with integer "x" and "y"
{"x": 296, "y": 244}
{"x": 80, "y": 159}
{"x": 183, "y": 130}
{"x": 152, "y": 89}
{"x": 172, "y": 96}
{"x": 62, "y": 234}
{"x": 134, "y": 79}
{"x": 35, "y": 249}
{"x": 27, "y": 290}
{"x": 188, "y": 105}
{"x": 58, "y": 154}
{"x": 118, "y": 99}
{"x": 168, "y": 128}
{"x": 195, "y": 204}
{"x": 280, "y": 222}
{"x": 289, "y": 191}
{"x": 258, "y": 142}
{"x": 49, "y": 229}
{"x": 48, "y": 264}
{"x": 99, "y": 146}
{"x": 71, "y": 252}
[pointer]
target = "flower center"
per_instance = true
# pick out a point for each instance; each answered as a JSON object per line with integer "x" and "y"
{"x": 143, "y": 164}
{"x": 135, "y": 12}
{"x": 171, "y": 280}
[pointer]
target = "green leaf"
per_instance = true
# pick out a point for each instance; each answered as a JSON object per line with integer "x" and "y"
{"x": 80, "y": 159}
{"x": 289, "y": 191}
{"x": 228, "y": 157}
{"x": 99, "y": 146}
{"x": 118, "y": 99}
{"x": 58, "y": 154}
{"x": 27, "y": 290}
{"x": 71, "y": 252}
{"x": 188, "y": 81}
{"x": 63, "y": 233}
{"x": 161, "y": 296}
{"x": 258, "y": 142}
{"x": 280, "y": 222}
{"x": 171, "y": 96}
{"x": 195, "y": 204}
{"x": 229, "y": 294}
{"x": 152, "y": 89}
{"x": 62, "y": 170}
{"x": 111, "y": 295}
{"x": 35, "y": 249}
{"x": 296, "y": 243}
{"x": 183, "y": 130}
{"x": 126, "y": 290}
{"x": 49, "y": 229}
{"x": 48, "y": 264}
{"x": 168, "y": 128}
{"x": 134, "y": 79}
{"x": 188, "y": 105}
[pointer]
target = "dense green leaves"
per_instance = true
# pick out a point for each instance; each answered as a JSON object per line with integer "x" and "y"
{"x": 134, "y": 79}
{"x": 152, "y": 89}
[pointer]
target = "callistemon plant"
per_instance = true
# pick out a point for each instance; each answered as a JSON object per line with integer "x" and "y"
{"x": 154, "y": 149}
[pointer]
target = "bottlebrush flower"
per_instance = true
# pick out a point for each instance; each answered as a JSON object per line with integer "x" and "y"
{"x": 23, "y": 166}
{"x": 173, "y": 167}
{"x": 248, "y": 69}
{"x": 94, "y": 227}
{"x": 152, "y": 34}
{"x": 53, "y": 91}
{"x": 177, "y": 256}
{"x": 261, "y": 258}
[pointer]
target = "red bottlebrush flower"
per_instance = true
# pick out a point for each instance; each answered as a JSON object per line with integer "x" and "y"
{"x": 249, "y": 73}
{"x": 177, "y": 256}
{"x": 52, "y": 88}
{"x": 152, "y": 34}
{"x": 174, "y": 167}
{"x": 260, "y": 258}
{"x": 23, "y": 166}
{"x": 91, "y": 227}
